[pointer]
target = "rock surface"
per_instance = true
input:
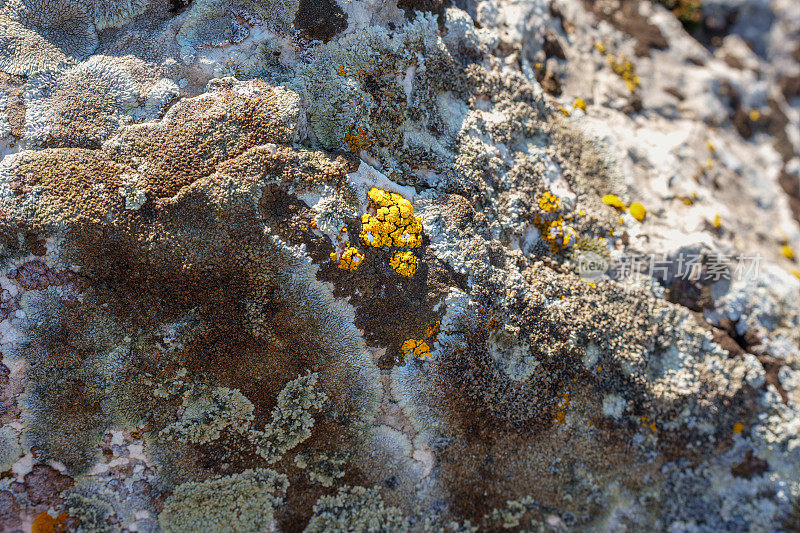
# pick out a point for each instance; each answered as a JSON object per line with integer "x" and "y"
{"x": 329, "y": 265}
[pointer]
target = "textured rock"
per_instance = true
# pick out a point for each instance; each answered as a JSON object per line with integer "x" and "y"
{"x": 374, "y": 266}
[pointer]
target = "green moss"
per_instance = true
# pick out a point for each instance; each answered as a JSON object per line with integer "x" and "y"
{"x": 355, "y": 509}
{"x": 235, "y": 503}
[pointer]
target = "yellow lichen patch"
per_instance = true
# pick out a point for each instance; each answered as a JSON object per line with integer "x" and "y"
{"x": 564, "y": 111}
{"x": 433, "y": 329}
{"x": 579, "y": 104}
{"x": 738, "y": 427}
{"x": 638, "y": 211}
{"x": 600, "y": 47}
{"x": 393, "y": 223}
{"x": 614, "y": 201}
{"x": 623, "y": 68}
{"x": 796, "y": 273}
{"x": 350, "y": 259}
{"x": 717, "y": 221}
{"x": 340, "y": 70}
{"x": 549, "y": 202}
{"x": 420, "y": 349}
{"x": 754, "y": 115}
{"x": 787, "y": 252}
{"x": 404, "y": 263}
{"x": 356, "y": 139}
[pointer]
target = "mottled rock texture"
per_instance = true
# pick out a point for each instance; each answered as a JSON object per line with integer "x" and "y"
{"x": 326, "y": 265}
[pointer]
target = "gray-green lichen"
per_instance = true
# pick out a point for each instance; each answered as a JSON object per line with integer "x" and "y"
{"x": 240, "y": 502}
{"x": 38, "y": 35}
{"x": 322, "y": 467}
{"x": 208, "y": 413}
{"x": 186, "y": 343}
{"x": 292, "y": 419}
{"x": 10, "y": 448}
{"x": 355, "y": 509}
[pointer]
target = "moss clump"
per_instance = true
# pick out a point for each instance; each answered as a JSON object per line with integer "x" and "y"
{"x": 355, "y": 509}
{"x": 235, "y": 503}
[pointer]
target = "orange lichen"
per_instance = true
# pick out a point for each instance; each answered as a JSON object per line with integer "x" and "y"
{"x": 420, "y": 349}
{"x": 404, "y": 263}
{"x": 433, "y": 329}
{"x": 738, "y": 427}
{"x": 560, "y": 415}
{"x": 44, "y": 523}
{"x": 393, "y": 223}
{"x": 356, "y": 139}
{"x": 494, "y": 324}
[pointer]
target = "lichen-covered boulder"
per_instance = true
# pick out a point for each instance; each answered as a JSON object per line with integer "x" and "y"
{"x": 374, "y": 266}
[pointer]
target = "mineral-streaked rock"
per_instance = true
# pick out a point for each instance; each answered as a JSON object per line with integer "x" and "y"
{"x": 319, "y": 265}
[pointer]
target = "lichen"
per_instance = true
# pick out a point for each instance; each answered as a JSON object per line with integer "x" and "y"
{"x": 350, "y": 258}
{"x": 417, "y": 348}
{"x": 322, "y": 467}
{"x": 404, "y": 263}
{"x": 80, "y": 107}
{"x": 10, "y": 449}
{"x": 292, "y": 418}
{"x": 38, "y": 35}
{"x": 393, "y": 222}
{"x": 355, "y": 508}
{"x": 246, "y": 501}
{"x": 207, "y": 414}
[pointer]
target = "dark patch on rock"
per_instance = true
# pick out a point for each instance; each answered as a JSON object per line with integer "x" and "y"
{"x": 627, "y": 19}
{"x": 178, "y": 6}
{"x": 9, "y": 511}
{"x": 552, "y": 45}
{"x": 320, "y": 19}
{"x": 436, "y": 7}
{"x": 44, "y": 486}
{"x": 549, "y": 81}
{"x": 751, "y": 466}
